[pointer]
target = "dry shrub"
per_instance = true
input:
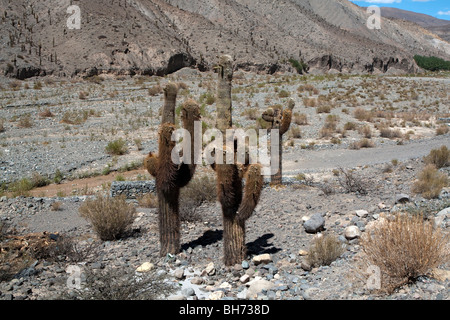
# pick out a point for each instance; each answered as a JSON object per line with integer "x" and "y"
{"x": 2, "y": 125}
{"x": 310, "y": 102}
{"x": 441, "y": 130}
{"x": 366, "y": 143}
{"x": 366, "y": 131}
{"x": 295, "y": 133}
{"x": 351, "y": 182}
{"x": 362, "y": 114}
{"x": 430, "y": 182}
{"x": 155, "y": 90}
{"x": 46, "y": 114}
{"x": 300, "y": 119}
{"x": 251, "y": 113}
{"x": 25, "y": 121}
{"x": 439, "y": 157}
{"x": 323, "y": 109}
{"x": 386, "y": 132}
{"x": 122, "y": 284}
{"x": 324, "y": 250}
{"x": 110, "y": 217}
{"x": 404, "y": 249}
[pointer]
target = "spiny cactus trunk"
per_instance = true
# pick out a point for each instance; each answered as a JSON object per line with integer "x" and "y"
{"x": 169, "y": 176}
{"x": 235, "y": 250}
{"x": 169, "y": 223}
{"x": 237, "y": 206}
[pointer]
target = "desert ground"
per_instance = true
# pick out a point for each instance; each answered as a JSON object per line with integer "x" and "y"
{"x": 377, "y": 128}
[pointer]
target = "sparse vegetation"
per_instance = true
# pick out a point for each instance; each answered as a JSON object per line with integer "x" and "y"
{"x": 439, "y": 157}
{"x": 324, "y": 250}
{"x": 430, "y": 182}
{"x": 117, "y": 147}
{"x": 404, "y": 249}
{"x": 110, "y": 217}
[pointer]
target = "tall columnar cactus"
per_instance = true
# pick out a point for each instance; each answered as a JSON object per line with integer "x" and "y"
{"x": 170, "y": 177}
{"x": 279, "y": 119}
{"x": 238, "y": 202}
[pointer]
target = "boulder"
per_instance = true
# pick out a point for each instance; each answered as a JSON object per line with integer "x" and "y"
{"x": 352, "y": 232}
{"x": 315, "y": 223}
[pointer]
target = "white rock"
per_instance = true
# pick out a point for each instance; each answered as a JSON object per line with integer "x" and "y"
{"x": 225, "y": 285}
{"x": 256, "y": 286}
{"x": 262, "y": 258}
{"x": 210, "y": 269}
{"x": 362, "y": 213}
{"x": 145, "y": 267}
{"x": 217, "y": 295}
{"x": 302, "y": 252}
{"x": 441, "y": 216}
{"x": 352, "y": 232}
{"x": 245, "y": 278}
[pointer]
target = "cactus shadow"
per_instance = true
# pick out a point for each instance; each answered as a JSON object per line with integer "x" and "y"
{"x": 208, "y": 238}
{"x": 262, "y": 245}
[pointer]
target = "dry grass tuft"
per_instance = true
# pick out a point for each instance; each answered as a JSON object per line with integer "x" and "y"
{"x": 430, "y": 182}
{"x": 324, "y": 250}
{"x": 439, "y": 157}
{"x": 404, "y": 249}
{"x": 110, "y": 217}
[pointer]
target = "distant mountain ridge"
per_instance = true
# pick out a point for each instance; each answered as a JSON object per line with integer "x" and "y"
{"x": 157, "y": 37}
{"x": 440, "y": 27}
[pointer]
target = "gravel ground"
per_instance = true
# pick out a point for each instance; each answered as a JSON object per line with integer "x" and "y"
{"x": 125, "y": 109}
{"x": 198, "y": 273}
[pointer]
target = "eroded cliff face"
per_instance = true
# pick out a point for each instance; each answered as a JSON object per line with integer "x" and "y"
{"x": 158, "y": 37}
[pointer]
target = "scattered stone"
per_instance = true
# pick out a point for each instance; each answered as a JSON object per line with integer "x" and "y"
{"x": 217, "y": 295}
{"x": 402, "y": 198}
{"x": 305, "y": 265}
{"x": 244, "y": 279}
{"x": 210, "y": 269}
{"x": 188, "y": 292}
{"x": 352, "y": 232}
{"x": 197, "y": 280}
{"x": 245, "y": 265}
{"x": 256, "y": 286}
{"x": 302, "y": 252}
{"x": 146, "y": 267}
{"x": 362, "y": 213}
{"x": 262, "y": 259}
{"x": 315, "y": 223}
{"x": 179, "y": 274}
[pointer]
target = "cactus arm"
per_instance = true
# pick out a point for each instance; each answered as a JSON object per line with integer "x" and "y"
{"x": 225, "y": 70}
{"x": 286, "y": 121}
{"x": 252, "y": 192}
{"x": 151, "y": 163}
{"x": 170, "y": 98}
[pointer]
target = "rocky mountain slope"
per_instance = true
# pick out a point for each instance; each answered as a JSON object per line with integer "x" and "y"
{"x": 439, "y": 27}
{"x": 159, "y": 37}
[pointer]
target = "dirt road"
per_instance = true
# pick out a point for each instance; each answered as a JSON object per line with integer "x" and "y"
{"x": 322, "y": 160}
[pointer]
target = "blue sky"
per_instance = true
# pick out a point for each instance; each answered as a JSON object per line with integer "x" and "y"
{"x": 436, "y": 8}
